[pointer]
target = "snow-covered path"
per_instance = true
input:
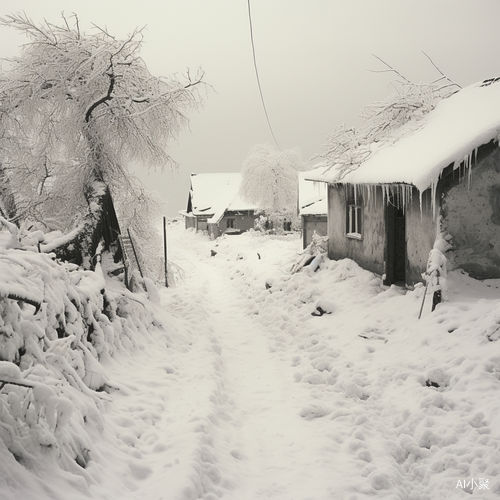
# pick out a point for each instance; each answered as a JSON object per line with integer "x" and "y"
{"x": 260, "y": 446}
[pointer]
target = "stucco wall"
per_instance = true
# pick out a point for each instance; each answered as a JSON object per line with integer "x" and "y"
{"x": 471, "y": 215}
{"x": 311, "y": 223}
{"x": 368, "y": 251}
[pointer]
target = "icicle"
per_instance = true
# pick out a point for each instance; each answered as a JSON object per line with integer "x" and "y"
{"x": 433, "y": 198}
{"x": 407, "y": 195}
{"x": 367, "y": 194}
{"x": 385, "y": 194}
{"x": 466, "y": 163}
{"x": 473, "y": 156}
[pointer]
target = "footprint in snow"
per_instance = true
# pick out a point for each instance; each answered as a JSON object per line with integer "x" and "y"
{"x": 314, "y": 410}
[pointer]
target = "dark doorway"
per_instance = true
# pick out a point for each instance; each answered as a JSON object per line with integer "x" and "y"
{"x": 396, "y": 246}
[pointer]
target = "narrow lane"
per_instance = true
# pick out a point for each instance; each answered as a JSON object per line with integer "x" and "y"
{"x": 262, "y": 447}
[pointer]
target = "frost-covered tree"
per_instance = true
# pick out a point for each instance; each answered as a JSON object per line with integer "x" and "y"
{"x": 269, "y": 178}
{"x": 75, "y": 109}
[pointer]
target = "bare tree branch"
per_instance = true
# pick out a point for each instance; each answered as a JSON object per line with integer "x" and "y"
{"x": 390, "y": 70}
{"x": 442, "y": 74}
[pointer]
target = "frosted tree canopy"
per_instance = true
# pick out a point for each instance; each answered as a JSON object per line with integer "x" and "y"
{"x": 269, "y": 178}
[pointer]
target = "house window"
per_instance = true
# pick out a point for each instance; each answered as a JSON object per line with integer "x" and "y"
{"x": 354, "y": 213}
{"x": 230, "y": 223}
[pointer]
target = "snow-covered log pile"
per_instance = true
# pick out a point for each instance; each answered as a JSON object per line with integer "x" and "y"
{"x": 57, "y": 322}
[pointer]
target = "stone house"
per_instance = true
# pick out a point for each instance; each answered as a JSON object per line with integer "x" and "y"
{"x": 438, "y": 178}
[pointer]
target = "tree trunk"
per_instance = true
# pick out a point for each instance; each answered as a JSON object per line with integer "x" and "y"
{"x": 7, "y": 200}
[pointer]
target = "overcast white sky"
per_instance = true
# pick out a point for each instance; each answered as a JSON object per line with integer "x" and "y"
{"x": 314, "y": 59}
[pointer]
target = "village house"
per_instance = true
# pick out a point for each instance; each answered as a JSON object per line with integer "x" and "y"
{"x": 312, "y": 208}
{"x": 214, "y": 205}
{"x": 439, "y": 177}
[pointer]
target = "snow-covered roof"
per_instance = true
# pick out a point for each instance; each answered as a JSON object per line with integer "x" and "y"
{"x": 212, "y": 194}
{"x": 449, "y": 134}
{"x": 312, "y": 196}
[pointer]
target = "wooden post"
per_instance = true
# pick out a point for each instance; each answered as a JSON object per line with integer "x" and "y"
{"x": 165, "y": 249}
{"x": 135, "y": 254}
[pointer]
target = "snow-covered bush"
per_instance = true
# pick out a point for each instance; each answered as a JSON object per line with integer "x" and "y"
{"x": 437, "y": 272}
{"x": 57, "y": 322}
{"x": 278, "y": 222}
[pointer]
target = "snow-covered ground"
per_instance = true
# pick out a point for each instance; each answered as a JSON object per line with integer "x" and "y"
{"x": 246, "y": 391}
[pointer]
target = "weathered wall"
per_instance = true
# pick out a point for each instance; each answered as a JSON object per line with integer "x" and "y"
{"x": 368, "y": 251}
{"x": 190, "y": 221}
{"x": 242, "y": 220}
{"x": 471, "y": 215}
{"x": 311, "y": 223}
{"x": 213, "y": 230}
{"x": 421, "y": 231}
{"x": 201, "y": 224}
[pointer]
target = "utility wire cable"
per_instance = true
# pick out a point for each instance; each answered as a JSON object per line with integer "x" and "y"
{"x": 257, "y": 75}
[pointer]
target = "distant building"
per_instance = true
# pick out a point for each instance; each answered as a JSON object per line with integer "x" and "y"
{"x": 214, "y": 205}
{"x": 439, "y": 177}
{"x": 312, "y": 208}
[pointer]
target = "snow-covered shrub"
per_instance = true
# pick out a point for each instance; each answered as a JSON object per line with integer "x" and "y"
{"x": 57, "y": 322}
{"x": 277, "y": 222}
{"x": 436, "y": 272}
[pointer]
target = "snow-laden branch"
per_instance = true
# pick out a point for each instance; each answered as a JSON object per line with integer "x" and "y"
{"x": 384, "y": 120}
{"x": 9, "y": 225}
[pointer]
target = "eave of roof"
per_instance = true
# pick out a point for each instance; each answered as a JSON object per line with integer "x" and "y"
{"x": 449, "y": 134}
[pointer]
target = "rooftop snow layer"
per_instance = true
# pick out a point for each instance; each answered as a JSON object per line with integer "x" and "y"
{"x": 213, "y": 194}
{"x": 448, "y": 134}
{"x": 312, "y": 196}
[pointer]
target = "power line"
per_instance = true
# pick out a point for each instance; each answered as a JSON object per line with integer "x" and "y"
{"x": 257, "y": 75}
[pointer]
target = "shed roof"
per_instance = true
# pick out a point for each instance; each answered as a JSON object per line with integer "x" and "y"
{"x": 312, "y": 196}
{"x": 212, "y": 194}
{"x": 422, "y": 148}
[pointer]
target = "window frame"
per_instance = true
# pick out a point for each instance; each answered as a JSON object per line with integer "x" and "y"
{"x": 354, "y": 213}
